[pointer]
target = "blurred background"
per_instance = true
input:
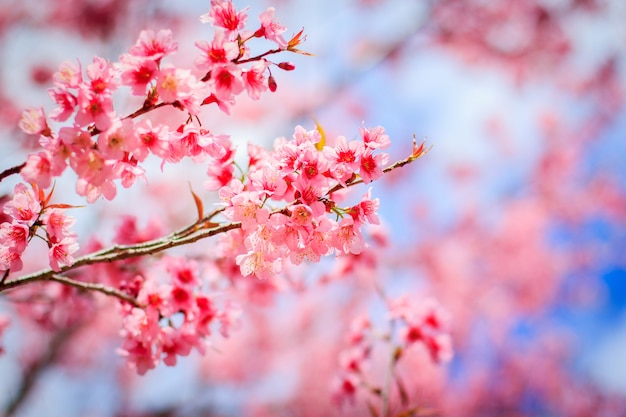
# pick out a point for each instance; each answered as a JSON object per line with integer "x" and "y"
{"x": 515, "y": 221}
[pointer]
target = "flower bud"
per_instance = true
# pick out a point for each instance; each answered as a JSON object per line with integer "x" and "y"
{"x": 271, "y": 83}
{"x": 287, "y": 66}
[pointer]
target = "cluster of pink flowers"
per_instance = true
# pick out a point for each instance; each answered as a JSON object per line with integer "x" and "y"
{"x": 176, "y": 315}
{"x": 424, "y": 323}
{"x": 29, "y": 212}
{"x": 282, "y": 210}
{"x": 412, "y": 323}
{"x": 102, "y": 147}
{"x": 306, "y": 224}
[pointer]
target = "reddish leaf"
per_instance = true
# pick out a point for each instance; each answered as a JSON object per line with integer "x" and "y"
{"x": 63, "y": 206}
{"x": 404, "y": 397}
{"x": 45, "y": 204}
{"x": 372, "y": 409}
{"x": 199, "y": 205}
{"x": 296, "y": 40}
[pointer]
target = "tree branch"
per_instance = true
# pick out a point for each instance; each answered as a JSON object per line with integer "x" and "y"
{"x": 198, "y": 230}
{"x": 10, "y": 171}
{"x": 118, "y": 253}
{"x": 34, "y": 371}
{"x": 90, "y": 286}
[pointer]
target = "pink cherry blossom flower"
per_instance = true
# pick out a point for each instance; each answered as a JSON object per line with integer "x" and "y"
{"x": 154, "y": 46}
{"x": 103, "y": 76}
{"x": 226, "y": 81}
{"x": 94, "y": 108}
{"x": 10, "y": 259}
{"x": 41, "y": 167}
{"x": 119, "y": 139}
{"x": 95, "y": 175}
{"x": 229, "y": 317}
{"x": 224, "y": 105}
{"x": 190, "y": 140}
{"x": 353, "y": 359}
{"x": 140, "y": 330}
{"x": 271, "y": 29}
{"x": 223, "y": 14}
{"x": 57, "y": 223}
{"x": 268, "y": 181}
{"x": 255, "y": 263}
{"x": 344, "y": 389}
{"x": 60, "y": 251}
{"x": 69, "y": 75}
{"x": 254, "y": 79}
{"x": 374, "y": 138}
{"x": 267, "y": 240}
{"x": 66, "y": 104}
{"x": 359, "y": 329}
{"x": 180, "y": 299}
{"x": 129, "y": 172}
{"x": 139, "y": 356}
{"x": 184, "y": 271}
{"x": 347, "y": 237}
{"x": 175, "y": 342}
{"x": 24, "y": 207}
{"x": 33, "y": 122}
{"x": 301, "y": 136}
{"x": 151, "y": 138}
{"x": 137, "y": 72}
{"x": 14, "y": 236}
{"x": 344, "y": 158}
{"x": 129, "y": 233}
{"x": 72, "y": 142}
{"x": 308, "y": 192}
{"x": 371, "y": 166}
{"x": 179, "y": 85}
{"x": 245, "y": 207}
{"x": 205, "y": 314}
{"x": 219, "y": 175}
{"x": 312, "y": 166}
{"x": 218, "y": 52}
{"x": 366, "y": 209}
{"x": 227, "y": 193}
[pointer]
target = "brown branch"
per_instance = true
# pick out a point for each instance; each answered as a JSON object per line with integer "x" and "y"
{"x": 357, "y": 180}
{"x": 258, "y": 57}
{"x": 198, "y": 230}
{"x": 90, "y": 286}
{"x": 146, "y": 109}
{"x": 34, "y": 371}
{"x": 11, "y": 171}
{"x": 118, "y": 253}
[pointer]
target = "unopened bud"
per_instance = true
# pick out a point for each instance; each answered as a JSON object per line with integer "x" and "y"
{"x": 271, "y": 83}
{"x": 287, "y": 66}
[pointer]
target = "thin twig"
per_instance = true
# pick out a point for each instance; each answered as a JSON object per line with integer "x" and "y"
{"x": 90, "y": 286}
